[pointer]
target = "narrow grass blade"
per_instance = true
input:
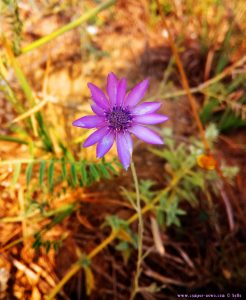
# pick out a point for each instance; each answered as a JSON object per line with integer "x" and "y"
{"x": 29, "y": 173}
{"x": 84, "y": 174}
{"x": 74, "y": 174}
{"x": 104, "y": 171}
{"x": 63, "y": 169}
{"x": 16, "y": 174}
{"x": 51, "y": 174}
{"x": 94, "y": 172}
{"x": 41, "y": 172}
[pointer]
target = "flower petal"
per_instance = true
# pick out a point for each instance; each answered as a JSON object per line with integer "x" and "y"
{"x": 123, "y": 150}
{"x": 89, "y": 122}
{"x": 95, "y": 137}
{"x": 98, "y": 96}
{"x": 137, "y": 93}
{"x": 105, "y": 144}
{"x": 121, "y": 91}
{"x": 112, "y": 83}
{"x": 97, "y": 110}
{"x": 129, "y": 142}
{"x": 146, "y": 108}
{"x": 146, "y": 134}
{"x": 150, "y": 119}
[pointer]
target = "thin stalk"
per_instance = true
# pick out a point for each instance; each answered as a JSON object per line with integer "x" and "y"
{"x": 90, "y": 14}
{"x": 140, "y": 233}
{"x": 8, "y": 138}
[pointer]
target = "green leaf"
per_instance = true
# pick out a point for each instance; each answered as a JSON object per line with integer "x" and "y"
{"x": 111, "y": 168}
{"x": 51, "y": 174}
{"x": 207, "y": 111}
{"x": 122, "y": 246}
{"x": 104, "y": 171}
{"x": 16, "y": 174}
{"x": 57, "y": 245}
{"x": 94, "y": 172}
{"x": 29, "y": 173}
{"x": 74, "y": 174}
{"x": 83, "y": 172}
{"x": 116, "y": 223}
{"x": 173, "y": 212}
{"x": 196, "y": 180}
{"x": 223, "y": 59}
{"x": 41, "y": 172}
{"x": 61, "y": 215}
{"x": 43, "y": 133}
{"x": 63, "y": 169}
{"x": 47, "y": 246}
{"x": 37, "y": 242}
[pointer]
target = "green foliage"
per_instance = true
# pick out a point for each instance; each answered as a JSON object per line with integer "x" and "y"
{"x": 168, "y": 211}
{"x": 73, "y": 174}
{"x": 128, "y": 240}
{"x": 226, "y": 105}
{"x": 60, "y": 214}
{"x": 43, "y": 133}
{"x": 28, "y": 173}
{"x": 145, "y": 188}
{"x": 124, "y": 232}
{"x": 116, "y": 223}
{"x": 39, "y": 243}
{"x": 41, "y": 172}
{"x": 180, "y": 157}
{"x": 225, "y": 102}
{"x": 56, "y": 217}
{"x": 16, "y": 174}
{"x": 51, "y": 172}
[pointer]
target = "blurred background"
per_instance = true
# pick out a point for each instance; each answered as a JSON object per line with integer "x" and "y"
{"x": 59, "y": 203}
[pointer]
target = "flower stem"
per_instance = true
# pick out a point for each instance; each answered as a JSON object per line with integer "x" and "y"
{"x": 140, "y": 232}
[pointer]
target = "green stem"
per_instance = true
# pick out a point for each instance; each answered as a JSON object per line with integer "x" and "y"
{"x": 140, "y": 232}
{"x": 71, "y": 25}
{"x": 8, "y": 138}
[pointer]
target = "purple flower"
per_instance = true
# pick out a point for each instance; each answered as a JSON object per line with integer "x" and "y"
{"x": 118, "y": 116}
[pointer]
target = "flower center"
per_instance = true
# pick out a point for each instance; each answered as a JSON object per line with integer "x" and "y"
{"x": 119, "y": 118}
